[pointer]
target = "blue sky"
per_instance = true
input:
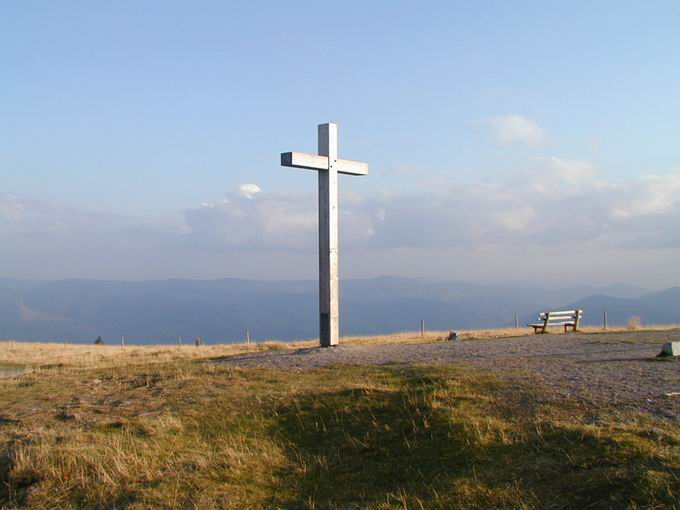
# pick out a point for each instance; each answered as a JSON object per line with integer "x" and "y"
{"x": 134, "y": 116}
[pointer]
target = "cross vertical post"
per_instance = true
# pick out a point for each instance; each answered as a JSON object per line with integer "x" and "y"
{"x": 329, "y": 292}
{"x": 328, "y": 165}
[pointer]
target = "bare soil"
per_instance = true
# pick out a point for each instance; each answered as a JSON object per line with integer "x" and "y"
{"x": 616, "y": 372}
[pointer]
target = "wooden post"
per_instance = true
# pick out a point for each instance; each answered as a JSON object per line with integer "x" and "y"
{"x": 122, "y": 342}
{"x": 179, "y": 341}
{"x": 605, "y": 319}
{"x": 516, "y": 323}
{"x": 329, "y": 306}
{"x": 577, "y": 320}
{"x": 247, "y": 336}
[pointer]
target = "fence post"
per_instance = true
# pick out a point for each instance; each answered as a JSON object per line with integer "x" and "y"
{"x": 179, "y": 341}
{"x": 422, "y": 328}
{"x": 605, "y": 318}
{"x": 516, "y": 323}
{"x": 247, "y": 336}
{"x": 122, "y": 342}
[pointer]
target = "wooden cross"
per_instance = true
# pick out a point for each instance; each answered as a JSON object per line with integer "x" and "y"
{"x": 328, "y": 166}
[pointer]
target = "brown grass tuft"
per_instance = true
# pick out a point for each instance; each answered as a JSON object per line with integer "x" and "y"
{"x": 634, "y": 323}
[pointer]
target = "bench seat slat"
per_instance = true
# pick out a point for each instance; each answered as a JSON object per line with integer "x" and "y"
{"x": 551, "y": 323}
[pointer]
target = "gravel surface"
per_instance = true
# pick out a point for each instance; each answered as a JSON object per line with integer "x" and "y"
{"x": 619, "y": 371}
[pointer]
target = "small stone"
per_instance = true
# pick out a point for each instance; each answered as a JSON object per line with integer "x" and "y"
{"x": 670, "y": 349}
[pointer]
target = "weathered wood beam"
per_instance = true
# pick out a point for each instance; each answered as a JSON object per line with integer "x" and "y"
{"x": 315, "y": 162}
{"x": 329, "y": 279}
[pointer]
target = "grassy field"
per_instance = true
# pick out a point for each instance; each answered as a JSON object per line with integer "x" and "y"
{"x": 147, "y": 427}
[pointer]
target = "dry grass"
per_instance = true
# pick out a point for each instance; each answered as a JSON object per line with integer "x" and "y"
{"x": 41, "y": 355}
{"x": 634, "y": 323}
{"x": 186, "y": 434}
{"x": 50, "y": 355}
{"x": 158, "y": 427}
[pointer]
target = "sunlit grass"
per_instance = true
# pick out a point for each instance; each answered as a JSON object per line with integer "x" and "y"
{"x": 183, "y": 433}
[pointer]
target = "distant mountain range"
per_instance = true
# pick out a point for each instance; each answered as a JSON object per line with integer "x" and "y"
{"x": 221, "y": 310}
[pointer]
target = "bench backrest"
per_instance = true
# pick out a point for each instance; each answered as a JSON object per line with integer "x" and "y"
{"x": 561, "y": 317}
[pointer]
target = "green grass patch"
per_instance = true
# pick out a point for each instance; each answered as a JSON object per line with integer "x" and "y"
{"x": 200, "y": 435}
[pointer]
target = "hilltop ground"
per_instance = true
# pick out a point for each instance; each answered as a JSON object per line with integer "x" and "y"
{"x": 620, "y": 370}
{"x": 550, "y": 421}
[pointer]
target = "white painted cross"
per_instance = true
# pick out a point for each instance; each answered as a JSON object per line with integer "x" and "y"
{"x": 329, "y": 166}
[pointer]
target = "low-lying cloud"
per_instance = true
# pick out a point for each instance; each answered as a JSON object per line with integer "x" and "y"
{"x": 553, "y": 205}
{"x": 553, "y": 202}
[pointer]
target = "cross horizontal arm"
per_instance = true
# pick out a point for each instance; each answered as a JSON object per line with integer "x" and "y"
{"x": 314, "y": 162}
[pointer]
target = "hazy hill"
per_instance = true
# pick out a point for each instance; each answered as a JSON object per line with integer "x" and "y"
{"x": 221, "y": 310}
{"x": 655, "y": 308}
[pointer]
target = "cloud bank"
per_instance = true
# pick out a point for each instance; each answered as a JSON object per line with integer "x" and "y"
{"x": 553, "y": 202}
{"x": 555, "y": 206}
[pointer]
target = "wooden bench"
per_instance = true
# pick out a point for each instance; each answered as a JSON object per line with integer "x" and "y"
{"x": 566, "y": 318}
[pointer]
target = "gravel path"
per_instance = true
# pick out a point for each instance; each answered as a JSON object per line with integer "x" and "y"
{"x": 614, "y": 370}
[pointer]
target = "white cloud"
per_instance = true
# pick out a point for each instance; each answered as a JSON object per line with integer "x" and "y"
{"x": 552, "y": 175}
{"x": 248, "y": 190}
{"x": 554, "y": 206}
{"x": 649, "y": 196}
{"x": 553, "y": 202}
{"x": 516, "y": 129}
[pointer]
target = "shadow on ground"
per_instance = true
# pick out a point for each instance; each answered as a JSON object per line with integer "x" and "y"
{"x": 429, "y": 442}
